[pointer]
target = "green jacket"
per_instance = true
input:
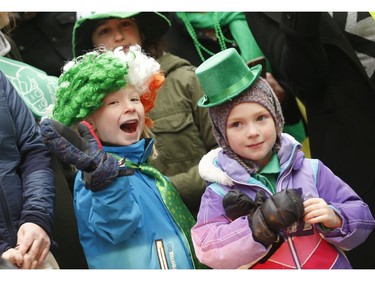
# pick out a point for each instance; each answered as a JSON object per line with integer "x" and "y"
{"x": 182, "y": 129}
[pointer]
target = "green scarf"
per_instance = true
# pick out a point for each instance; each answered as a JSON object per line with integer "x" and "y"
{"x": 172, "y": 201}
{"x": 238, "y": 26}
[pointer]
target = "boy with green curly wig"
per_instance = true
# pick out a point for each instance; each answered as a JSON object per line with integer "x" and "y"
{"x": 92, "y": 76}
{"x": 123, "y": 209}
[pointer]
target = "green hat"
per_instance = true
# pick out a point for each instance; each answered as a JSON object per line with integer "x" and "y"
{"x": 224, "y": 76}
{"x": 153, "y": 25}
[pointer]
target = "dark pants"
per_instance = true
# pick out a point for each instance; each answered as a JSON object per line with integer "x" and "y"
{"x": 68, "y": 251}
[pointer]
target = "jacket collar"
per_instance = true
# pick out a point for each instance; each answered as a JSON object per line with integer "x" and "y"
{"x": 137, "y": 152}
{"x": 217, "y": 167}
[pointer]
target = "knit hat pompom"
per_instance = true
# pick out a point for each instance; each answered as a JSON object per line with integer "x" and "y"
{"x": 90, "y": 77}
{"x": 260, "y": 92}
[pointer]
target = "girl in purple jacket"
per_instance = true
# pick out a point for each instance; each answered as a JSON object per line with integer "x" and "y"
{"x": 266, "y": 205}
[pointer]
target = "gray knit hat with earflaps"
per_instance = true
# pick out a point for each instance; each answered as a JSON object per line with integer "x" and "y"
{"x": 260, "y": 92}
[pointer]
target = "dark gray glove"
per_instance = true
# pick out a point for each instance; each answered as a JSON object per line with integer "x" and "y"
{"x": 276, "y": 213}
{"x": 82, "y": 151}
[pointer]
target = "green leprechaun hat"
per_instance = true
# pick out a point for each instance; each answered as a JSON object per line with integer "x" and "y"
{"x": 224, "y": 76}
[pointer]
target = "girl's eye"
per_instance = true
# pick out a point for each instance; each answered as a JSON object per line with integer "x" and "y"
{"x": 235, "y": 124}
{"x": 262, "y": 117}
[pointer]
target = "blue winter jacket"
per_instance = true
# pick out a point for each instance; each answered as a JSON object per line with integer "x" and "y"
{"x": 127, "y": 225}
{"x": 222, "y": 243}
{"x": 27, "y": 182}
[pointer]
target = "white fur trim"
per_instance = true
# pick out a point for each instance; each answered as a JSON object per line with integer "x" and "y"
{"x": 210, "y": 172}
{"x": 290, "y": 137}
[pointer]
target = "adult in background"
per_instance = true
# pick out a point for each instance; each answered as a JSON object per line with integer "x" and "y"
{"x": 44, "y": 39}
{"x": 37, "y": 90}
{"x": 27, "y": 185}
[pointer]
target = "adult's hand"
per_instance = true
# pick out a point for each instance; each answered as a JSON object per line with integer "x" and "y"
{"x": 276, "y": 87}
{"x": 34, "y": 244}
{"x": 14, "y": 257}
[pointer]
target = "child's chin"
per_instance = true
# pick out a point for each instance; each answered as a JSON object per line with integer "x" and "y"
{"x": 131, "y": 138}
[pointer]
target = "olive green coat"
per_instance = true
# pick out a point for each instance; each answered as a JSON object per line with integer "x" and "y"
{"x": 182, "y": 129}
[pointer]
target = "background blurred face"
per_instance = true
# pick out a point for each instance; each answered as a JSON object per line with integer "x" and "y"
{"x": 121, "y": 118}
{"x": 251, "y": 132}
{"x": 114, "y": 33}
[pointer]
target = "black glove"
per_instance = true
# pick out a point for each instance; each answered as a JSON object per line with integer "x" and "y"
{"x": 276, "y": 213}
{"x": 82, "y": 151}
{"x": 237, "y": 204}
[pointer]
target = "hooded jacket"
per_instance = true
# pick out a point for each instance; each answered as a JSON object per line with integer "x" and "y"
{"x": 127, "y": 225}
{"x": 27, "y": 182}
{"x": 222, "y": 243}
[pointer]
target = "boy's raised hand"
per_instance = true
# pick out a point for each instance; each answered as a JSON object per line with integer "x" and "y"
{"x": 81, "y": 150}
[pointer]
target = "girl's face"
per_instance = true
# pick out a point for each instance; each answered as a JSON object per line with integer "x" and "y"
{"x": 251, "y": 132}
{"x": 114, "y": 33}
{"x": 120, "y": 120}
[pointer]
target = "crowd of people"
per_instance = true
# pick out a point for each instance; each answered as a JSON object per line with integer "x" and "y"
{"x": 184, "y": 140}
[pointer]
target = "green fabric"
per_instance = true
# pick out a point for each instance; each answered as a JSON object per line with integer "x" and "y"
{"x": 297, "y": 130}
{"x": 173, "y": 202}
{"x": 269, "y": 173}
{"x": 238, "y": 26}
{"x": 35, "y": 87}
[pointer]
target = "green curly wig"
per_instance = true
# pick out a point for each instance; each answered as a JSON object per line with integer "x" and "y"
{"x": 83, "y": 86}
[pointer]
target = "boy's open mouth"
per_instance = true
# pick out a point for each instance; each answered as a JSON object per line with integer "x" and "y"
{"x": 129, "y": 126}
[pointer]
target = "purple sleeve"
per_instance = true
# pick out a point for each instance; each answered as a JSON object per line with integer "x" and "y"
{"x": 358, "y": 221}
{"x": 219, "y": 242}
